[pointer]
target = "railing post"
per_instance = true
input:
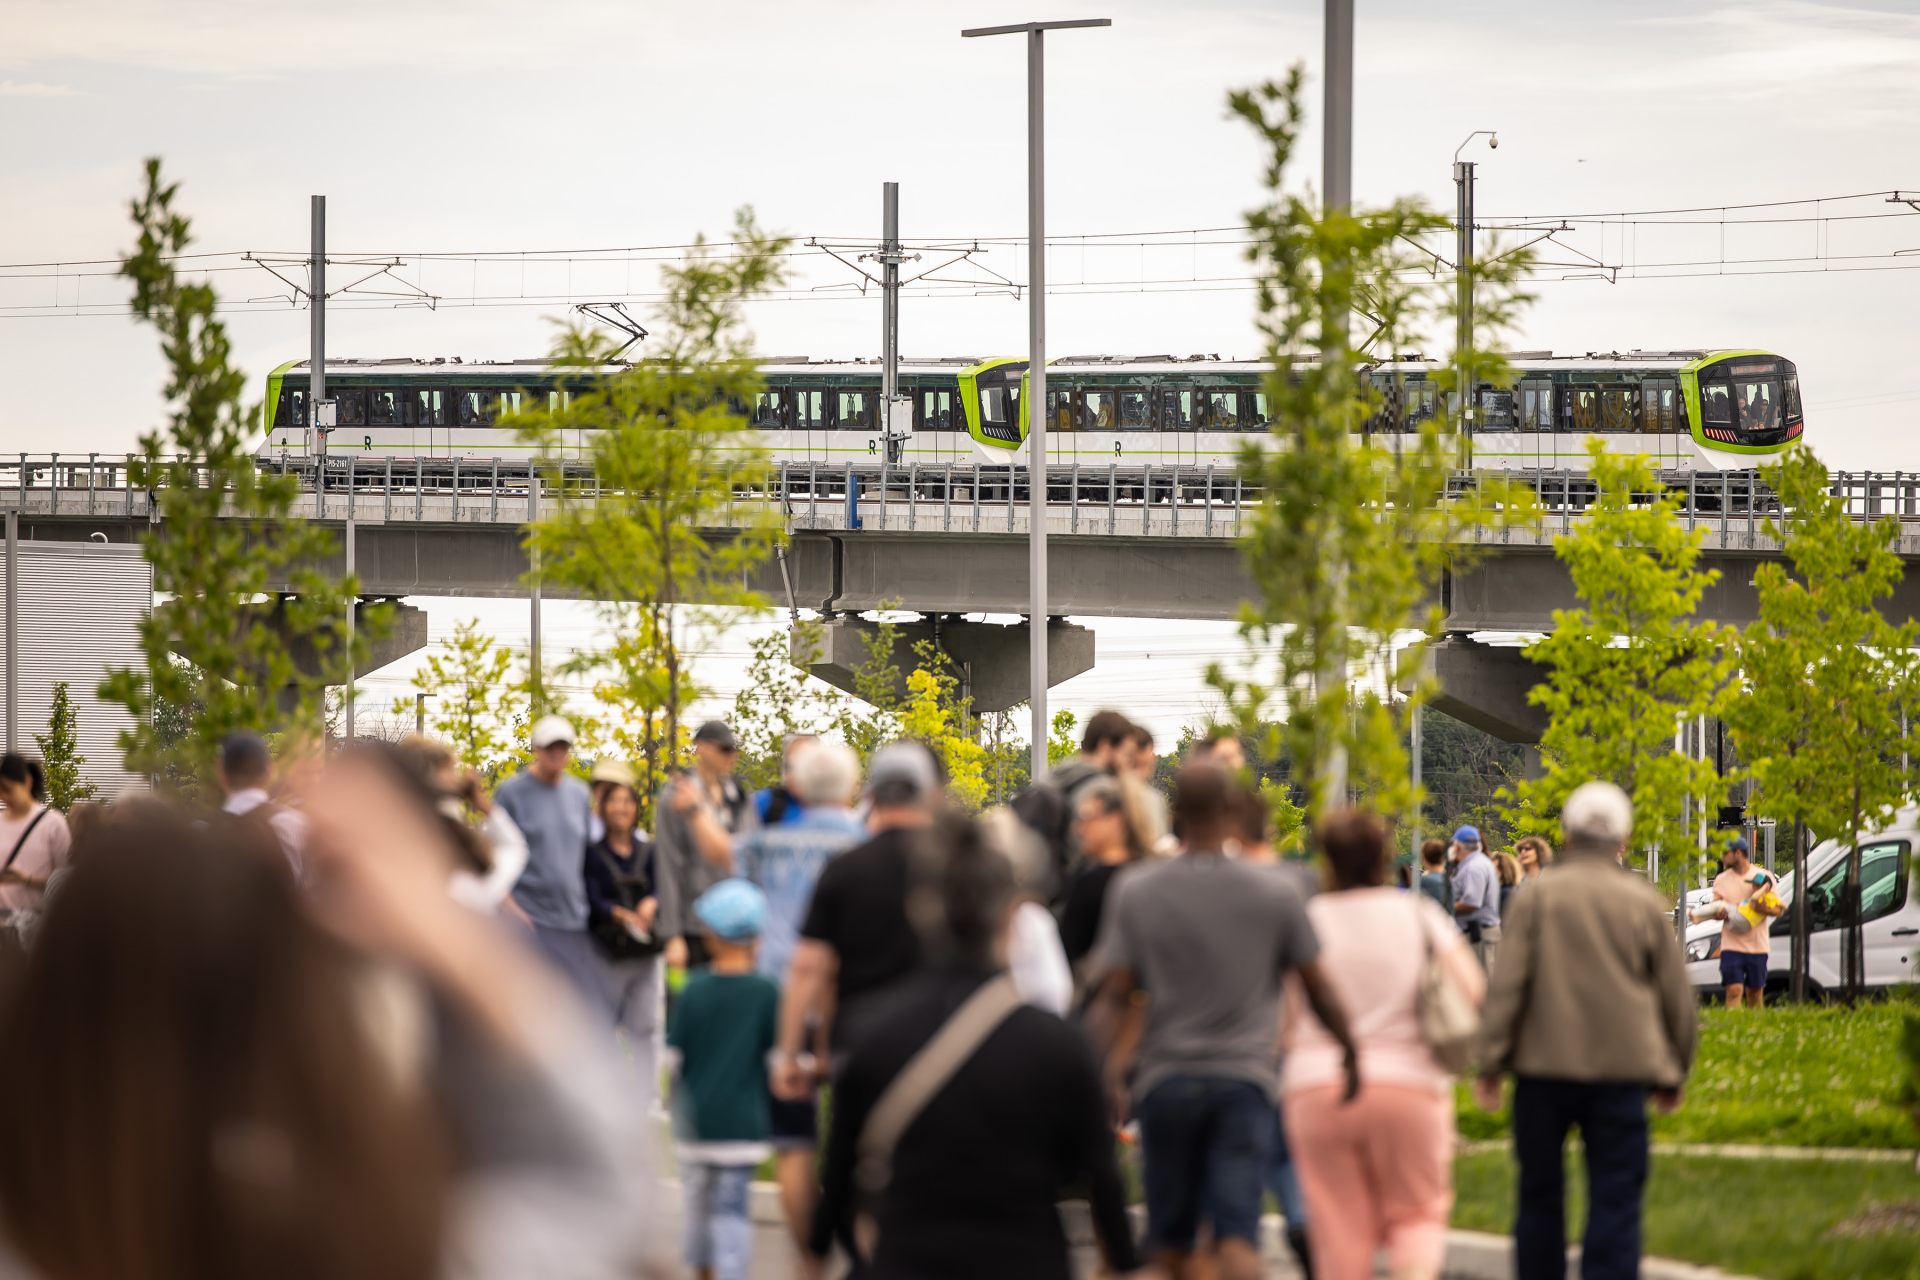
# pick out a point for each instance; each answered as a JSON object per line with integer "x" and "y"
{"x": 419, "y": 488}
{"x": 493, "y": 513}
{"x": 93, "y": 482}
{"x": 946, "y": 501}
{"x": 1113, "y": 493}
{"x": 53, "y": 486}
{"x": 1073, "y": 500}
{"x": 386, "y": 508}
{"x": 976, "y": 497}
{"x": 1693, "y": 500}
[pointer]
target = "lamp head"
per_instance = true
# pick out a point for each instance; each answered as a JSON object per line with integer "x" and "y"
{"x": 1493, "y": 141}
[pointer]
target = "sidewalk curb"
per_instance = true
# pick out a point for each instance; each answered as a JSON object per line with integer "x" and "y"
{"x": 1471, "y": 1255}
{"x": 1735, "y": 1151}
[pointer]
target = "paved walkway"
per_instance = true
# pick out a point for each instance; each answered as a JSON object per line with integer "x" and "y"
{"x": 1741, "y": 1151}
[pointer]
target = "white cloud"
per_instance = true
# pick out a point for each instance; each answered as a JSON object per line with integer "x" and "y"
{"x": 34, "y": 89}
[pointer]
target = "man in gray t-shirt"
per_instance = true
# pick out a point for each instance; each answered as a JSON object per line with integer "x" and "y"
{"x": 1476, "y": 896}
{"x": 1208, "y": 940}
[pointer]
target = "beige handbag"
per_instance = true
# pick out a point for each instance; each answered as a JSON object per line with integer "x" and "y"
{"x": 1449, "y": 1023}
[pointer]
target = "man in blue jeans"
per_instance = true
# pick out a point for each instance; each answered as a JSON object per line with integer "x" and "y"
{"x": 1591, "y": 1012}
{"x": 1184, "y": 933}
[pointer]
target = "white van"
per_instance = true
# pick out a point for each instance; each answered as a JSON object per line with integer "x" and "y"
{"x": 1889, "y": 912}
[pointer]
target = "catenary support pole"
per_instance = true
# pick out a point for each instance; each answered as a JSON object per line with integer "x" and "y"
{"x": 538, "y": 672}
{"x": 317, "y": 329}
{"x": 353, "y": 619}
{"x": 1337, "y": 180}
{"x": 13, "y": 630}
{"x": 889, "y": 315}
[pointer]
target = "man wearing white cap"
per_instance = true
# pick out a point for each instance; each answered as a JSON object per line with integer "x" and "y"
{"x": 553, "y": 810}
{"x": 1591, "y": 1012}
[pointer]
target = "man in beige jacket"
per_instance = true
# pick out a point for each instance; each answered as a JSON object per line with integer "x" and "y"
{"x": 1590, "y": 1010}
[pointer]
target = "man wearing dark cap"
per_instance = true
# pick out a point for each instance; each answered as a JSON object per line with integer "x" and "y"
{"x": 699, "y": 813}
{"x": 245, "y": 773}
{"x": 1745, "y": 903}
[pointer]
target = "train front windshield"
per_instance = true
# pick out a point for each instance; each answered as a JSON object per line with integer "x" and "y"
{"x": 1750, "y": 400}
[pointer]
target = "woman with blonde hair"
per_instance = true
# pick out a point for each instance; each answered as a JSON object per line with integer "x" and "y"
{"x": 1535, "y": 856}
{"x": 1115, "y": 830}
{"x": 1508, "y": 868}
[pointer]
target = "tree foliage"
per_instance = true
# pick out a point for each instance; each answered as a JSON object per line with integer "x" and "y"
{"x": 1631, "y": 665}
{"x": 225, "y": 530}
{"x": 1353, "y": 528}
{"x": 60, "y": 752}
{"x": 471, "y": 702}
{"x": 1827, "y": 676}
{"x": 646, "y": 535}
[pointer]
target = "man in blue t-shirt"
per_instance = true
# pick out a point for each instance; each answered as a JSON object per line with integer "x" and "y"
{"x": 553, "y": 811}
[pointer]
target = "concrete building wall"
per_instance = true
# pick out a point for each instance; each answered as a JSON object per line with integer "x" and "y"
{"x": 79, "y": 608}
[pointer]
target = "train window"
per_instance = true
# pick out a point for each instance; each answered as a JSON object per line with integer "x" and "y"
{"x": 1758, "y": 402}
{"x": 1221, "y": 409}
{"x": 1102, "y": 412}
{"x": 1619, "y": 408}
{"x": 1716, "y": 403}
{"x": 1579, "y": 409}
{"x": 1256, "y": 404}
{"x": 351, "y": 407}
{"x": 383, "y": 408}
{"x": 771, "y": 410}
{"x": 809, "y": 410}
{"x": 426, "y": 408}
{"x": 1791, "y": 387}
{"x": 1496, "y": 411}
{"x": 853, "y": 410}
{"x": 997, "y": 406}
{"x": 1063, "y": 411}
{"x": 936, "y": 411}
{"x": 293, "y": 407}
{"x": 1423, "y": 401}
{"x": 472, "y": 409}
{"x": 1659, "y": 408}
{"x": 1136, "y": 412}
{"x": 1536, "y": 406}
{"x": 1176, "y": 410}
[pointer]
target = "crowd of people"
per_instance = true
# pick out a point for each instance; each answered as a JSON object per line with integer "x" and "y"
{"x": 388, "y": 1022}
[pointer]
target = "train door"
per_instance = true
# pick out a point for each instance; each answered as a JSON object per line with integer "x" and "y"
{"x": 810, "y": 424}
{"x": 428, "y": 406}
{"x": 1180, "y": 420}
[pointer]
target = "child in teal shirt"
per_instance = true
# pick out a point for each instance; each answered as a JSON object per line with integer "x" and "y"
{"x": 723, "y": 1029}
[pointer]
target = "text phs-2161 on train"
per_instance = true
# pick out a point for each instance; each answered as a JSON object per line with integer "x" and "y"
{"x": 1688, "y": 410}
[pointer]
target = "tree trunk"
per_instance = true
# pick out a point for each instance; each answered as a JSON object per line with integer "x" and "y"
{"x": 1801, "y": 905}
{"x": 1853, "y": 961}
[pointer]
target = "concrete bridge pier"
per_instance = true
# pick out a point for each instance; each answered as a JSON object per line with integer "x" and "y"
{"x": 991, "y": 657}
{"x": 406, "y": 634}
{"x": 1486, "y": 686}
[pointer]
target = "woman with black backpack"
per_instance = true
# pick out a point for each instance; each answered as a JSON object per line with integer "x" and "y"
{"x": 621, "y": 909}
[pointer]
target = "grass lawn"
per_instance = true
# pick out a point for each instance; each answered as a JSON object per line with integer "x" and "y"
{"x": 1760, "y": 1218}
{"x": 1811, "y": 1076}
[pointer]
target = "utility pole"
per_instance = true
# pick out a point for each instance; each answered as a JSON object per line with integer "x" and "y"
{"x": 1463, "y": 179}
{"x": 13, "y": 630}
{"x": 890, "y": 259}
{"x": 1034, "y": 404}
{"x": 319, "y": 408}
{"x": 534, "y": 668}
{"x": 1337, "y": 179}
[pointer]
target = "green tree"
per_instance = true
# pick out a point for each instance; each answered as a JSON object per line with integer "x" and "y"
{"x": 1630, "y": 665}
{"x": 60, "y": 751}
{"x": 1062, "y": 742}
{"x": 779, "y": 700}
{"x": 669, "y": 524}
{"x": 1354, "y": 527}
{"x": 225, "y": 531}
{"x": 1826, "y": 680}
{"x": 470, "y": 699}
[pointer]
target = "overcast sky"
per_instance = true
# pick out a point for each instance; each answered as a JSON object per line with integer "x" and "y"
{"x": 499, "y": 125}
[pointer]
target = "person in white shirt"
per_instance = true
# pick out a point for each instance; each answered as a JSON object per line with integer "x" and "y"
{"x": 245, "y": 772}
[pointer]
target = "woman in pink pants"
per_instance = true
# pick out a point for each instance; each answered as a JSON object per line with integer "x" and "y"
{"x": 1377, "y": 1171}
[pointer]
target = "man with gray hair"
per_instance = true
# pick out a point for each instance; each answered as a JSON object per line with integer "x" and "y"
{"x": 1590, "y": 1011}
{"x": 785, "y": 859}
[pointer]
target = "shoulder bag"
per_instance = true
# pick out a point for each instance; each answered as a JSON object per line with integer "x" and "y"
{"x": 1449, "y": 1023}
{"x": 920, "y": 1082}
{"x": 21, "y": 843}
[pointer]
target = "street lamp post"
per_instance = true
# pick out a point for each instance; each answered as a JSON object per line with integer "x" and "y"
{"x": 1037, "y": 365}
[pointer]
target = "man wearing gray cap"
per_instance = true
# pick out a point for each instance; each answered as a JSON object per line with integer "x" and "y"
{"x": 552, "y": 809}
{"x": 1590, "y": 1010}
{"x": 699, "y": 813}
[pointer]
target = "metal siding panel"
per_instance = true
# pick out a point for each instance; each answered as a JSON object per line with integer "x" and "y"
{"x": 80, "y": 608}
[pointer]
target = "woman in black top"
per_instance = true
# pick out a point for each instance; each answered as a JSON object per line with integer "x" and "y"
{"x": 621, "y": 907}
{"x": 977, "y": 1173}
{"x": 1112, "y": 829}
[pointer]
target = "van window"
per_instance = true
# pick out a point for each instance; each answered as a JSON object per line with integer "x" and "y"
{"x": 1883, "y": 887}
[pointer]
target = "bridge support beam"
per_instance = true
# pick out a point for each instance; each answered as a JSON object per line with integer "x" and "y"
{"x": 992, "y": 658}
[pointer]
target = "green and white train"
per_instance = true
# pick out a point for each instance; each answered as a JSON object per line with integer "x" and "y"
{"x": 1689, "y": 410}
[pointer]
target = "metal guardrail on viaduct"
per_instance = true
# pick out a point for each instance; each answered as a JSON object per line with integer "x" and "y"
{"x": 1123, "y": 542}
